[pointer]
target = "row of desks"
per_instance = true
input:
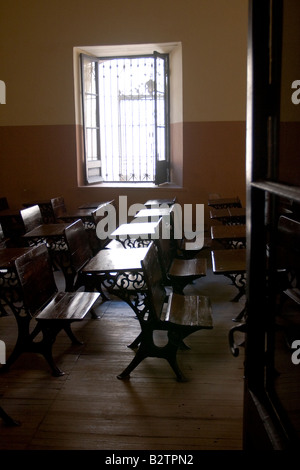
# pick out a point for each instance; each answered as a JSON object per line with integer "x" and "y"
{"x": 114, "y": 270}
{"x": 229, "y": 243}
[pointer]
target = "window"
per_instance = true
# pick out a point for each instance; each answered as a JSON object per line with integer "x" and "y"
{"x": 125, "y": 102}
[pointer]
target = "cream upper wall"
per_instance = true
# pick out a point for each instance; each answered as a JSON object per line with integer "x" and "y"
{"x": 36, "y": 51}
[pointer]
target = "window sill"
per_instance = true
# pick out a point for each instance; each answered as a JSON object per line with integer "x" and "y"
{"x": 133, "y": 185}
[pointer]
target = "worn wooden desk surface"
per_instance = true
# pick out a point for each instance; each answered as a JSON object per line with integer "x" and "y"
{"x": 136, "y": 234}
{"x": 139, "y": 228}
{"x": 154, "y": 213}
{"x": 86, "y": 215}
{"x": 121, "y": 274}
{"x": 9, "y": 255}
{"x": 46, "y": 231}
{"x": 228, "y": 261}
{"x": 110, "y": 260}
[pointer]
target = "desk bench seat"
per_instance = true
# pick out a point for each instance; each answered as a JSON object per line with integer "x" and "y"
{"x": 177, "y": 314}
{"x": 53, "y": 311}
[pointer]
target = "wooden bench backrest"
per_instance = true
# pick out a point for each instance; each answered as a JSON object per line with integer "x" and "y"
{"x": 154, "y": 280}
{"x": 166, "y": 247}
{"x": 36, "y": 278}
{"x": 78, "y": 244}
{"x": 58, "y": 206}
{"x": 32, "y": 217}
{"x": 165, "y": 254}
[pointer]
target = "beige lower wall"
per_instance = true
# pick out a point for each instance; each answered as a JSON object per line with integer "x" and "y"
{"x": 39, "y": 162}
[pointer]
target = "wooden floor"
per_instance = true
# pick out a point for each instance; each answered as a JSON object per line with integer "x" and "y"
{"x": 90, "y": 409}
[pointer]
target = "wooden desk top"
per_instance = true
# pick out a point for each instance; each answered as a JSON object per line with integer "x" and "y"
{"x": 229, "y": 261}
{"x": 191, "y": 267}
{"x": 109, "y": 260}
{"x": 228, "y": 232}
{"x": 9, "y": 255}
{"x": 228, "y": 213}
{"x": 154, "y": 212}
{"x": 137, "y": 229}
{"x": 77, "y": 213}
{"x": 47, "y": 230}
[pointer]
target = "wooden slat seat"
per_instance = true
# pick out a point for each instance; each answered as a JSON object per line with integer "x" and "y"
{"x": 53, "y": 311}
{"x": 179, "y": 315}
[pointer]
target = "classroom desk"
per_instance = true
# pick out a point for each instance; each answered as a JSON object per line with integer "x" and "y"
{"x": 11, "y": 293}
{"x": 54, "y": 237}
{"x": 86, "y": 215}
{"x": 232, "y": 264}
{"x": 229, "y": 215}
{"x": 230, "y": 236}
{"x": 154, "y": 213}
{"x": 121, "y": 276}
{"x": 136, "y": 235}
{"x": 90, "y": 220}
{"x": 119, "y": 272}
